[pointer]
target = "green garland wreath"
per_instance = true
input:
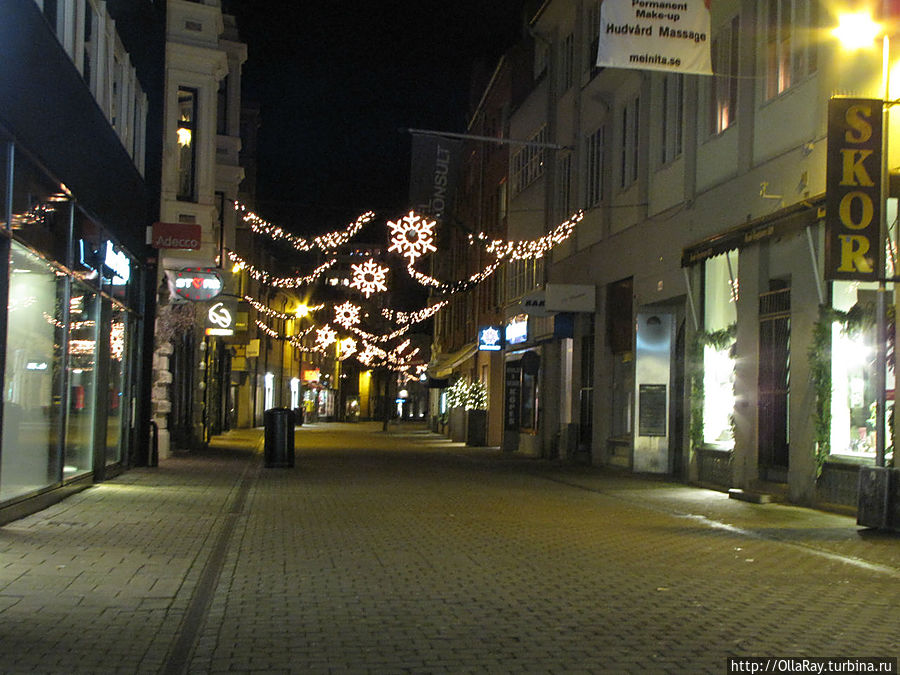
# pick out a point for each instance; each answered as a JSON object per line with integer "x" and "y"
{"x": 719, "y": 339}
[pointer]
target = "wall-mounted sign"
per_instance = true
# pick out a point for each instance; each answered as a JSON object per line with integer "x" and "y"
{"x": 175, "y": 235}
{"x": 535, "y": 304}
{"x": 253, "y": 348}
{"x": 219, "y": 320}
{"x": 853, "y": 245}
{"x": 490, "y": 339}
{"x": 117, "y": 262}
{"x": 517, "y": 329}
{"x": 311, "y": 375}
{"x": 195, "y": 283}
{"x": 571, "y": 298}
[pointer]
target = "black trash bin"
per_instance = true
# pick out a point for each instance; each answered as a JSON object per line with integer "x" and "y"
{"x": 279, "y": 437}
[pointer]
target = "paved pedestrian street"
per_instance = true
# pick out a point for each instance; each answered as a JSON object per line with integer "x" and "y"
{"x": 400, "y": 552}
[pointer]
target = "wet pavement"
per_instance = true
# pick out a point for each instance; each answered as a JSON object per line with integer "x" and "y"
{"x": 399, "y": 551}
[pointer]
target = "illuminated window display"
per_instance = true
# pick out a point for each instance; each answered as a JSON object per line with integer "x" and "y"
{"x": 84, "y": 310}
{"x": 853, "y": 394}
{"x": 31, "y": 405}
{"x": 720, "y": 312}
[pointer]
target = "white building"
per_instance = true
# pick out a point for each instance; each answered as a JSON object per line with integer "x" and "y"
{"x": 200, "y": 178}
{"x": 704, "y": 242}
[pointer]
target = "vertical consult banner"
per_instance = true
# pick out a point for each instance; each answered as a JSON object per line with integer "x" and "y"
{"x": 433, "y": 173}
{"x": 655, "y": 35}
{"x": 853, "y": 244}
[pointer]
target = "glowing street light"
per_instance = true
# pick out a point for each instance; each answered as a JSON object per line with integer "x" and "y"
{"x": 857, "y": 30}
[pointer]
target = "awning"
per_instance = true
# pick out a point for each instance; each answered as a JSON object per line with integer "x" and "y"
{"x": 793, "y": 218}
{"x": 442, "y": 365}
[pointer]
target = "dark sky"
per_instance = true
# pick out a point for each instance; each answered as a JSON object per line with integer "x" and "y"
{"x": 337, "y": 81}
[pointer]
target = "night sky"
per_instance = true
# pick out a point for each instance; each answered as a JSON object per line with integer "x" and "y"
{"x": 336, "y": 81}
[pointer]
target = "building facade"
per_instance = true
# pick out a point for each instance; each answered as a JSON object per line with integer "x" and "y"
{"x": 709, "y": 341}
{"x": 193, "y": 396}
{"x": 78, "y": 187}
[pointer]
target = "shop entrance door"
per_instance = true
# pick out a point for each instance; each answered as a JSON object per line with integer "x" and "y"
{"x": 774, "y": 381}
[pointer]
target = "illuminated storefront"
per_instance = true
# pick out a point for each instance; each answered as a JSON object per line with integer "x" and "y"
{"x": 69, "y": 377}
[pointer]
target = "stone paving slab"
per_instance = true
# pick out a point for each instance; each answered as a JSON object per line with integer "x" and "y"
{"x": 401, "y": 552}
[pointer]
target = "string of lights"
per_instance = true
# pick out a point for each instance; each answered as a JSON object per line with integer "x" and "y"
{"x": 533, "y": 248}
{"x": 280, "y": 282}
{"x": 325, "y": 242}
{"x": 413, "y": 317}
{"x": 268, "y": 311}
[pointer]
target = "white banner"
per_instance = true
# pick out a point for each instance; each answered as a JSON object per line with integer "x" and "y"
{"x": 655, "y": 35}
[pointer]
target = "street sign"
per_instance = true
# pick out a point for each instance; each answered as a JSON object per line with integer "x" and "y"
{"x": 853, "y": 241}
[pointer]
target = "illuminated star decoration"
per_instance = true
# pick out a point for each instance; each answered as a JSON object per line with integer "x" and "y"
{"x": 347, "y": 315}
{"x": 325, "y": 336}
{"x": 412, "y": 236}
{"x": 369, "y": 277}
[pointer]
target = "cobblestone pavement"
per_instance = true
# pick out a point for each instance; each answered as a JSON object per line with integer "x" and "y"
{"x": 402, "y": 552}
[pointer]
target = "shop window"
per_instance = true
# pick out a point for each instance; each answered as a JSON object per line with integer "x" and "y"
{"x": 81, "y": 372}
{"x": 186, "y": 156}
{"x": 853, "y": 393}
{"x": 5, "y": 159}
{"x": 720, "y": 292}
{"x": 29, "y": 458}
{"x": 117, "y": 384}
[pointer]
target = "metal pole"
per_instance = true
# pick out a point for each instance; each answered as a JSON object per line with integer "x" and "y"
{"x": 880, "y": 305}
{"x": 488, "y": 139}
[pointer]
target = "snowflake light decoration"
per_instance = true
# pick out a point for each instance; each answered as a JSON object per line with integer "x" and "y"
{"x": 412, "y": 236}
{"x": 348, "y": 348}
{"x": 369, "y": 277}
{"x": 325, "y": 336}
{"x": 347, "y": 315}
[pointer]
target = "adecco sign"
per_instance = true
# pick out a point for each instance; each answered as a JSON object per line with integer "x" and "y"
{"x": 194, "y": 283}
{"x": 175, "y": 235}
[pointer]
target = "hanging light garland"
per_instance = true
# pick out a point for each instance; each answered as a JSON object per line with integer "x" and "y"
{"x": 380, "y": 338}
{"x": 280, "y": 282}
{"x": 268, "y": 311}
{"x": 455, "y": 286}
{"x": 534, "y": 248}
{"x": 325, "y": 242}
{"x": 413, "y": 317}
{"x": 412, "y": 236}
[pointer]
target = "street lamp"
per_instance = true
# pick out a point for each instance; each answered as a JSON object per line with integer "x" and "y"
{"x": 855, "y": 31}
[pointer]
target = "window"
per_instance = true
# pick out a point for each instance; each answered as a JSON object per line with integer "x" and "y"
{"x": 595, "y": 172}
{"x": 790, "y": 54}
{"x": 564, "y": 187}
{"x": 222, "y": 108}
{"x": 528, "y": 163}
{"x": 567, "y": 63}
{"x": 723, "y": 84}
{"x": 630, "y": 146}
{"x": 593, "y": 23}
{"x": 186, "y": 157}
{"x": 853, "y": 392}
{"x": 541, "y": 56}
{"x": 501, "y": 204}
{"x": 672, "y": 136}
{"x": 91, "y": 39}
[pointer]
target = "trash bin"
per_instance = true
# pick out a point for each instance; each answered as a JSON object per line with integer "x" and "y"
{"x": 279, "y": 437}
